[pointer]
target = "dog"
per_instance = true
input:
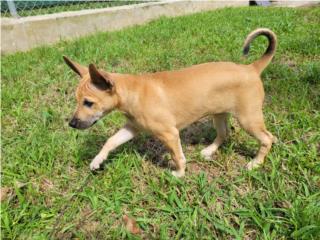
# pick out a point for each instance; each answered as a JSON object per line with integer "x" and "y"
{"x": 162, "y": 103}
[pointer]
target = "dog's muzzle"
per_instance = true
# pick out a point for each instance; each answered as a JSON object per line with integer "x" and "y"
{"x": 77, "y": 123}
{"x": 74, "y": 122}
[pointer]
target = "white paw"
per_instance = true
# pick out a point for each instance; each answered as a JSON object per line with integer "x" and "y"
{"x": 94, "y": 165}
{"x": 253, "y": 164}
{"x": 96, "y": 162}
{"x": 274, "y": 139}
{"x": 178, "y": 174}
{"x": 206, "y": 153}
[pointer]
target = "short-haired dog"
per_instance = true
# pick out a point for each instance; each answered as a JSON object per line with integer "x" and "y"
{"x": 163, "y": 103}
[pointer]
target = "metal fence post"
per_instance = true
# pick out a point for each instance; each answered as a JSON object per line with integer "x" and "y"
{"x": 12, "y": 8}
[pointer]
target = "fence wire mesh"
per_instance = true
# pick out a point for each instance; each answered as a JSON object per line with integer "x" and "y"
{"x": 10, "y": 8}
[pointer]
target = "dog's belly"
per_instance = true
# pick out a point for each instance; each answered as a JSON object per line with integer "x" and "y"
{"x": 191, "y": 109}
{"x": 183, "y": 121}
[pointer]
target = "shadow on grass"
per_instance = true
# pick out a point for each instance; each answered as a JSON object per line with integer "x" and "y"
{"x": 199, "y": 133}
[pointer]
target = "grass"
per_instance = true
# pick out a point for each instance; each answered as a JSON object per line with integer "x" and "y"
{"x": 45, "y": 163}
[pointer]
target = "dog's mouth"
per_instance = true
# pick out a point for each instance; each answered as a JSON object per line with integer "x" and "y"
{"x": 82, "y": 124}
{"x": 85, "y": 125}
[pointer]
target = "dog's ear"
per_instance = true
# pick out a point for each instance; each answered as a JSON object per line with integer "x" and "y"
{"x": 100, "y": 80}
{"x": 76, "y": 67}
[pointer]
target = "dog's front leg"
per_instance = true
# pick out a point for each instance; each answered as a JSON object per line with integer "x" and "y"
{"x": 122, "y": 136}
{"x": 171, "y": 139}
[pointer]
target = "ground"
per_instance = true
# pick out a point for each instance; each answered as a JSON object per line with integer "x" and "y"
{"x": 48, "y": 190}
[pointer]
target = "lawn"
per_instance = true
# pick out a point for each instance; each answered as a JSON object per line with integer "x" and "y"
{"x": 45, "y": 164}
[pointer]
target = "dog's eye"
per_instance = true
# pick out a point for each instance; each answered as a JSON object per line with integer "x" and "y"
{"x": 87, "y": 103}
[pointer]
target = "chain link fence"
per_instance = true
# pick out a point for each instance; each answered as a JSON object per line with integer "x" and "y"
{"x": 10, "y": 8}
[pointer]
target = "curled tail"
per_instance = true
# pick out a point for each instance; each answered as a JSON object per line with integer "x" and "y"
{"x": 264, "y": 61}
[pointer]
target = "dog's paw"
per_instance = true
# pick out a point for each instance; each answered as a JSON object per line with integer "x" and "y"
{"x": 274, "y": 139}
{"x": 207, "y": 153}
{"x": 96, "y": 162}
{"x": 94, "y": 166}
{"x": 253, "y": 165}
{"x": 178, "y": 174}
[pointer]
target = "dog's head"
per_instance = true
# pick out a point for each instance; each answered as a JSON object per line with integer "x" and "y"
{"x": 95, "y": 95}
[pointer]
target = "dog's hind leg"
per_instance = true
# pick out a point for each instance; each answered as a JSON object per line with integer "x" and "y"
{"x": 221, "y": 124}
{"x": 254, "y": 125}
{"x": 122, "y": 136}
{"x": 171, "y": 139}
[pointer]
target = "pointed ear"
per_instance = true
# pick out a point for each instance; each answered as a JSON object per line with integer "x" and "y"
{"x": 76, "y": 67}
{"x": 100, "y": 80}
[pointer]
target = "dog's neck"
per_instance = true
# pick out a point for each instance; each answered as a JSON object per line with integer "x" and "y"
{"x": 126, "y": 89}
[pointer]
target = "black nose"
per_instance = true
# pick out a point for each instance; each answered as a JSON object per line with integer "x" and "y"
{"x": 74, "y": 122}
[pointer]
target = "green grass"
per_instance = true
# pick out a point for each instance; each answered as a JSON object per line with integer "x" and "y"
{"x": 45, "y": 163}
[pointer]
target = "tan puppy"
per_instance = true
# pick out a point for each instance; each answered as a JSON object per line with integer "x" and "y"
{"x": 162, "y": 103}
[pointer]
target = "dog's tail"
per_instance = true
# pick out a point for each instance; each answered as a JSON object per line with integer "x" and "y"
{"x": 264, "y": 61}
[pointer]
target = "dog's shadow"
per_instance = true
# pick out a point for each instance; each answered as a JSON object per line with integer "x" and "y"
{"x": 199, "y": 133}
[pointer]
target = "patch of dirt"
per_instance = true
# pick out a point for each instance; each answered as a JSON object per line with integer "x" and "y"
{"x": 228, "y": 166}
{"x": 90, "y": 226}
{"x": 288, "y": 62}
{"x": 250, "y": 234}
{"x": 194, "y": 167}
{"x": 8, "y": 192}
{"x": 197, "y": 167}
{"x": 243, "y": 189}
{"x": 46, "y": 185}
{"x": 64, "y": 235}
{"x": 236, "y": 162}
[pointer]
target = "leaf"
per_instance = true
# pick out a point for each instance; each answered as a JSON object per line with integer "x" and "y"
{"x": 5, "y": 193}
{"x": 131, "y": 225}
